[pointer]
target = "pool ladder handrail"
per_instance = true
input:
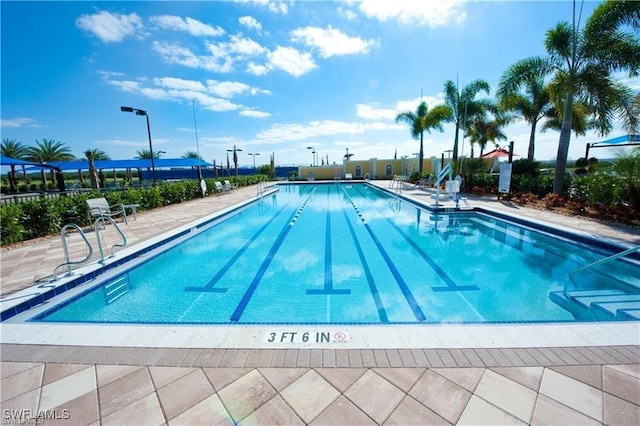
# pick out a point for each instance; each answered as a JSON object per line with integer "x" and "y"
{"x": 597, "y": 263}
{"x": 96, "y": 226}
{"x": 68, "y": 261}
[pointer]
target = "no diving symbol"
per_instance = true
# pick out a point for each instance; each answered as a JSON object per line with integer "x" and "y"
{"x": 340, "y": 337}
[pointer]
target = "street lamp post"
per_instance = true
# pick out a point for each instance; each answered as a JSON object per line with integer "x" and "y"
{"x": 253, "y": 154}
{"x": 235, "y": 157}
{"x": 313, "y": 154}
{"x": 143, "y": 112}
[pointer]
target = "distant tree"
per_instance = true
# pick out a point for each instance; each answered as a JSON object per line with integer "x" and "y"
{"x": 13, "y": 149}
{"x": 423, "y": 120}
{"x": 464, "y": 105}
{"x": 46, "y": 151}
{"x": 482, "y": 130}
{"x": 145, "y": 154}
{"x": 627, "y": 166}
{"x": 93, "y": 155}
{"x": 192, "y": 154}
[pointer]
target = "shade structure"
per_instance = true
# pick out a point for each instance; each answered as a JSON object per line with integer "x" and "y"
{"x": 8, "y": 161}
{"x": 497, "y": 153}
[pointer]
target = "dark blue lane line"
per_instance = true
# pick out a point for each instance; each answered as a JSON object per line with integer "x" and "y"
{"x": 210, "y": 286}
{"x": 382, "y": 313}
{"x": 404, "y": 288}
{"x": 328, "y": 263}
{"x": 451, "y": 285}
{"x": 246, "y": 298}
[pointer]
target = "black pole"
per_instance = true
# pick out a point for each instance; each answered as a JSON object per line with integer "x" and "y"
{"x": 153, "y": 165}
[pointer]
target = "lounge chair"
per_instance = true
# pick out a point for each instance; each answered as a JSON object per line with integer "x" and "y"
{"x": 100, "y": 207}
{"x": 220, "y": 188}
{"x": 229, "y": 185}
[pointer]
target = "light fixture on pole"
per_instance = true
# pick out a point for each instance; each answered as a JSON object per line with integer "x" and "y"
{"x": 143, "y": 112}
{"x": 313, "y": 154}
{"x": 253, "y": 154}
{"x": 235, "y": 157}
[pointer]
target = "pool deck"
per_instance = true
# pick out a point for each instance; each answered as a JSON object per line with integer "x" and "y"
{"x": 524, "y": 374}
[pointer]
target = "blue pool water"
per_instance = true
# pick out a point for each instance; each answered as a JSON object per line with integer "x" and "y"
{"x": 350, "y": 254}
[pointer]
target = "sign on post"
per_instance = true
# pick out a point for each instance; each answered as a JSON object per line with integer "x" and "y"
{"x": 504, "y": 184}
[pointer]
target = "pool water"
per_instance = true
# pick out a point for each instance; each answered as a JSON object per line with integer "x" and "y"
{"x": 347, "y": 254}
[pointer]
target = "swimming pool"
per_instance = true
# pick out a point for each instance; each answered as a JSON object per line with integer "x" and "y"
{"x": 351, "y": 254}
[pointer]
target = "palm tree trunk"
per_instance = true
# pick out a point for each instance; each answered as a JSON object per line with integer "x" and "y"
{"x": 563, "y": 145}
{"x": 93, "y": 174}
{"x": 532, "y": 141}
{"x": 421, "y": 155}
{"x": 455, "y": 144}
{"x": 12, "y": 178}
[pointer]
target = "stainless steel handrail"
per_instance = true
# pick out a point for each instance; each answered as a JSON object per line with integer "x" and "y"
{"x": 97, "y": 229}
{"x": 68, "y": 262}
{"x": 599, "y": 262}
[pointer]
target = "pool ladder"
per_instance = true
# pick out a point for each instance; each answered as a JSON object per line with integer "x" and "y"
{"x": 262, "y": 187}
{"x": 96, "y": 225}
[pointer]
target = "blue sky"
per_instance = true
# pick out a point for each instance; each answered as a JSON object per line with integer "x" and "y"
{"x": 266, "y": 76}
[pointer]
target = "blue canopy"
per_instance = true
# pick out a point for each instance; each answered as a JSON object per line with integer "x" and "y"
{"x": 128, "y": 164}
{"x": 620, "y": 140}
{"x": 8, "y": 161}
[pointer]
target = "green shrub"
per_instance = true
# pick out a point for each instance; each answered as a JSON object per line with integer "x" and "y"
{"x": 10, "y": 221}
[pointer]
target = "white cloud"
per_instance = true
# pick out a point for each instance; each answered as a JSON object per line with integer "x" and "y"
{"x": 291, "y": 61}
{"x": 373, "y": 112}
{"x": 330, "y": 41}
{"x": 273, "y": 6}
{"x": 257, "y": 69}
{"x": 190, "y": 25}
{"x": 109, "y": 27}
{"x": 179, "y": 83}
{"x": 412, "y": 104}
{"x": 432, "y": 13}
{"x": 226, "y": 89}
{"x": 250, "y": 22}
{"x": 125, "y": 85}
{"x": 255, "y": 114}
{"x": 316, "y": 129}
{"x": 19, "y": 122}
{"x": 350, "y": 15}
{"x": 174, "y": 53}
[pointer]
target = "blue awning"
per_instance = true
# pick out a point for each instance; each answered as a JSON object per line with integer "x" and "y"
{"x": 128, "y": 164}
{"x": 620, "y": 140}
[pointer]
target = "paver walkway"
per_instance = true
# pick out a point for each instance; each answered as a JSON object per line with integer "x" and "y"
{"x": 138, "y": 386}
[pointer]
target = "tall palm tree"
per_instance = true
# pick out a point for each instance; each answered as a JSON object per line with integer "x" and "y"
{"x": 582, "y": 62}
{"x": 424, "y": 119}
{"x": 13, "y": 149}
{"x": 464, "y": 105}
{"x": 92, "y": 156}
{"x": 526, "y": 95}
{"x": 46, "y": 151}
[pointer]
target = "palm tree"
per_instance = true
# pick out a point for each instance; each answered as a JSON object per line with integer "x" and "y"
{"x": 47, "y": 151}
{"x": 192, "y": 154}
{"x": 423, "y": 120}
{"x": 627, "y": 166}
{"x": 481, "y": 131}
{"x": 527, "y": 95}
{"x": 13, "y": 149}
{"x": 464, "y": 105}
{"x": 92, "y": 156}
{"x": 582, "y": 62}
{"x": 145, "y": 154}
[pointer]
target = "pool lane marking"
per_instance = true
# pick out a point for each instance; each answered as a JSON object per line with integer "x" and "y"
{"x": 210, "y": 286}
{"x": 382, "y": 313}
{"x": 404, "y": 288}
{"x": 450, "y": 284}
{"x": 328, "y": 264}
{"x": 237, "y": 313}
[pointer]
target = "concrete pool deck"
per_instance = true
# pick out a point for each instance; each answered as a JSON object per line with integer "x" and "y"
{"x": 185, "y": 375}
